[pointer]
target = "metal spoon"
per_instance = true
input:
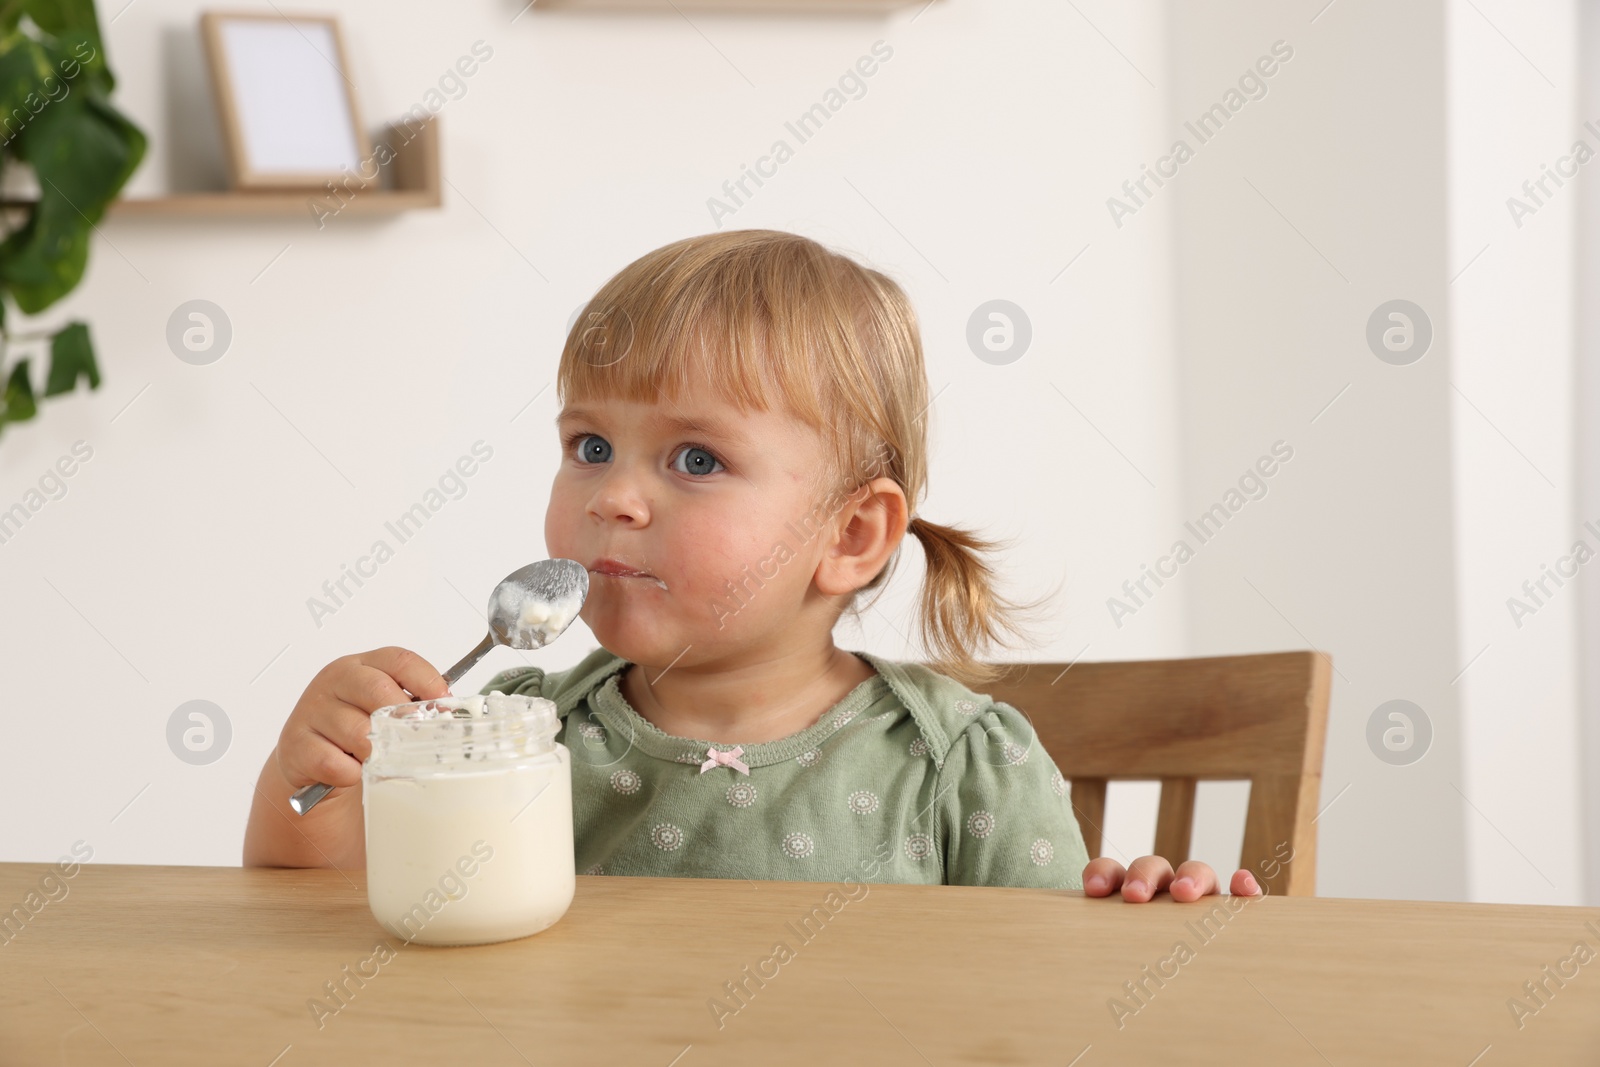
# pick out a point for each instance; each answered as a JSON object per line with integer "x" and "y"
{"x": 528, "y": 609}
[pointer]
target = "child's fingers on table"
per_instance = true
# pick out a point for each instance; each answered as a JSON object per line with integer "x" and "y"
{"x": 1193, "y": 880}
{"x": 1102, "y": 877}
{"x": 1147, "y": 876}
{"x": 1244, "y": 884}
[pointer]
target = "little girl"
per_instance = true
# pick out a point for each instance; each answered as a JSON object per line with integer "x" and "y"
{"x": 744, "y": 441}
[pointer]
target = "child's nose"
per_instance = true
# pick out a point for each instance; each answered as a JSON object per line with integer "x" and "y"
{"x": 618, "y": 499}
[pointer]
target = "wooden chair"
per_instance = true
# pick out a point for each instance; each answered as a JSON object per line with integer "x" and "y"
{"x": 1257, "y": 717}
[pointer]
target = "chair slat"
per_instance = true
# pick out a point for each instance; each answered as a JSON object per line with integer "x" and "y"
{"x": 1280, "y": 841}
{"x": 1089, "y": 803}
{"x": 1175, "y": 819}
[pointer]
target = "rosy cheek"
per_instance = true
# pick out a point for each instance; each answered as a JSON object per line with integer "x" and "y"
{"x": 708, "y": 552}
{"x": 560, "y": 523}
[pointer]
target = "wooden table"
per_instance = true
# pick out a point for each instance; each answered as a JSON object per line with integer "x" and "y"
{"x": 214, "y": 965}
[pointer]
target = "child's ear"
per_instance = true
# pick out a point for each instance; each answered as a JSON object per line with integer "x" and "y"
{"x": 867, "y": 530}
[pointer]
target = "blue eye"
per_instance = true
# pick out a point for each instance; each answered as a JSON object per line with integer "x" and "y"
{"x": 589, "y": 449}
{"x": 700, "y": 461}
{"x": 592, "y": 448}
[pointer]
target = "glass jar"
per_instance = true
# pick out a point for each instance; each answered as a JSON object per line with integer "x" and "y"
{"x": 468, "y": 816}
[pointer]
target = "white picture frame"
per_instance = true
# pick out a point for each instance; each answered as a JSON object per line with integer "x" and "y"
{"x": 285, "y": 99}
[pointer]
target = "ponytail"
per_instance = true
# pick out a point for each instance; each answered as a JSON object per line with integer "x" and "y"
{"x": 962, "y": 615}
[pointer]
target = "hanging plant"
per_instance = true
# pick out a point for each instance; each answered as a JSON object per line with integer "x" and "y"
{"x": 56, "y": 118}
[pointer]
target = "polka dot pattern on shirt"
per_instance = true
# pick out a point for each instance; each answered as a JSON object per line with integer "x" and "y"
{"x": 863, "y": 802}
{"x": 798, "y": 846}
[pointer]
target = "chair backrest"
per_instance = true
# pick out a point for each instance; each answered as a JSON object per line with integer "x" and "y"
{"x": 1256, "y": 717}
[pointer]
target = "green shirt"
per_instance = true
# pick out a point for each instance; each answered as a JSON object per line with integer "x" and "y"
{"x": 911, "y": 777}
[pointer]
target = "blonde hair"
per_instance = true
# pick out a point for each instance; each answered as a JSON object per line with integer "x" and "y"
{"x": 766, "y": 317}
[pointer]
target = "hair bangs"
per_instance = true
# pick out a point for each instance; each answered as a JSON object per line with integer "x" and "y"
{"x": 759, "y": 322}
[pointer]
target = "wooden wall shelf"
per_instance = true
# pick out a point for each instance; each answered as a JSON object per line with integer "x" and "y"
{"x": 268, "y": 204}
{"x": 413, "y": 183}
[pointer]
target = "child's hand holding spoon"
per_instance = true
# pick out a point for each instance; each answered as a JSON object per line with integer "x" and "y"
{"x": 528, "y": 609}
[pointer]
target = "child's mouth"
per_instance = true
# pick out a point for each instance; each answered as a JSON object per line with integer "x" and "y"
{"x": 611, "y": 568}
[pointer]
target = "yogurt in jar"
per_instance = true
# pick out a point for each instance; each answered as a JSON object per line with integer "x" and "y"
{"x": 468, "y": 815}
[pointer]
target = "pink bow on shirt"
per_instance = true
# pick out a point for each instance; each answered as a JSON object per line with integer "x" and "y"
{"x": 729, "y": 758}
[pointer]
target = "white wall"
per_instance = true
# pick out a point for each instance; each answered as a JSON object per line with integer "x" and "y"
{"x": 379, "y": 351}
{"x": 1376, "y": 168}
{"x": 1513, "y": 368}
{"x": 1586, "y": 438}
{"x": 1314, "y": 204}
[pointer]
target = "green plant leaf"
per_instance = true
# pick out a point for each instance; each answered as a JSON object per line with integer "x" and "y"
{"x": 73, "y": 25}
{"x": 24, "y": 63}
{"x": 57, "y": 17}
{"x": 19, "y": 402}
{"x": 71, "y": 357}
{"x": 87, "y": 156}
{"x": 83, "y": 151}
{"x": 42, "y": 260}
{"x": 56, "y": 116}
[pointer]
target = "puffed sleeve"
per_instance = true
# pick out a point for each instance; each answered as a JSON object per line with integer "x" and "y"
{"x": 1005, "y": 817}
{"x": 528, "y": 681}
